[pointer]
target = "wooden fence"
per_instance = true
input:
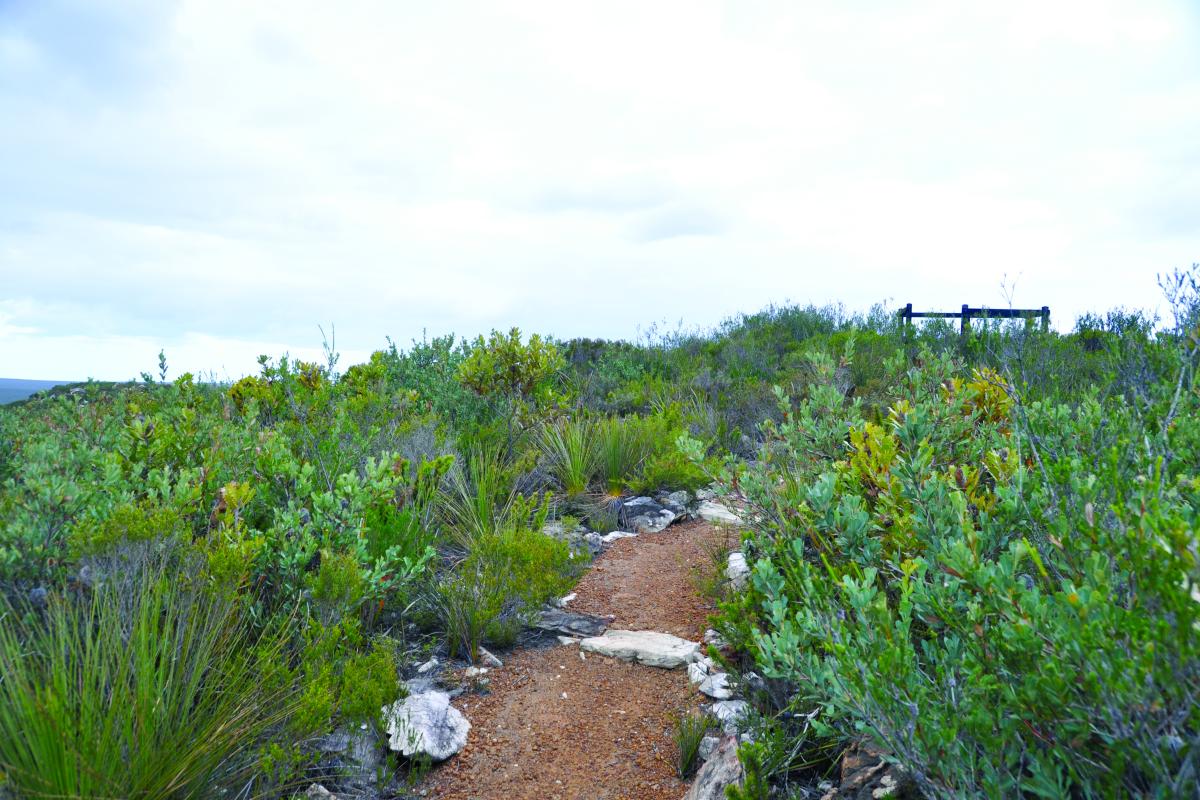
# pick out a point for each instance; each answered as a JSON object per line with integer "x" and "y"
{"x": 907, "y": 315}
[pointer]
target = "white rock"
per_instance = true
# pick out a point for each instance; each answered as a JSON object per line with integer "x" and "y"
{"x": 426, "y": 723}
{"x": 475, "y": 672}
{"x": 318, "y": 792}
{"x": 427, "y": 666}
{"x": 730, "y": 712}
{"x": 737, "y": 571}
{"x": 697, "y": 672}
{"x": 716, "y": 686}
{"x": 562, "y": 601}
{"x": 721, "y": 769}
{"x": 677, "y": 501}
{"x": 644, "y": 515}
{"x": 651, "y": 648}
{"x": 609, "y": 538}
{"x": 707, "y": 745}
{"x": 715, "y": 512}
{"x": 567, "y": 640}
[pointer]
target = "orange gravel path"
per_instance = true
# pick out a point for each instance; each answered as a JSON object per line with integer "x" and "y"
{"x": 609, "y": 737}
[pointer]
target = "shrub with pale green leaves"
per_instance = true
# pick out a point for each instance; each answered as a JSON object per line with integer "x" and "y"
{"x": 1002, "y": 594}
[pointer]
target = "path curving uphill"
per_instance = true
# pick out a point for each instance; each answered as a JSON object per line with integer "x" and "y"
{"x": 558, "y": 725}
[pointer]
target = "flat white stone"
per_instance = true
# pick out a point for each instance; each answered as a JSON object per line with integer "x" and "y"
{"x": 697, "y": 672}
{"x": 651, "y": 648}
{"x": 609, "y": 538}
{"x": 426, "y": 723}
{"x": 715, "y": 512}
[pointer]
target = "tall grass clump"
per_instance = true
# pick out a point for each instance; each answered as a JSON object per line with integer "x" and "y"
{"x": 689, "y": 732}
{"x": 569, "y": 449}
{"x": 622, "y": 446}
{"x": 159, "y": 691}
{"x": 478, "y": 495}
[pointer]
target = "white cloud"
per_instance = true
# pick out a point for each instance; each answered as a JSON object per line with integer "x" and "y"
{"x": 249, "y": 171}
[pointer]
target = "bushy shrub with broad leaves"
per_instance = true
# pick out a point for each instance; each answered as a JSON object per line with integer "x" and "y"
{"x": 1002, "y": 593}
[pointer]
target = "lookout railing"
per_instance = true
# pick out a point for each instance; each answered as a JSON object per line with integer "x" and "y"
{"x": 907, "y": 315}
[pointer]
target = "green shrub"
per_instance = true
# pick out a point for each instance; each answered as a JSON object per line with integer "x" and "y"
{"x": 504, "y": 579}
{"x": 346, "y": 677}
{"x": 470, "y": 601}
{"x": 669, "y": 469}
{"x": 129, "y": 522}
{"x": 1019, "y": 577}
{"x": 154, "y": 694}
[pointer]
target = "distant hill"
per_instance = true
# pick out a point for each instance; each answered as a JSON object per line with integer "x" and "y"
{"x": 14, "y": 389}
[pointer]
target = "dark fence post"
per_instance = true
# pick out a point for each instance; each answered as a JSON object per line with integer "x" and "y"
{"x": 1045, "y": 318}
{"x": 964, "y": 324}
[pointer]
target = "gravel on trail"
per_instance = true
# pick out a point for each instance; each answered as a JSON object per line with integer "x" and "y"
{"x": 555, "y": 726}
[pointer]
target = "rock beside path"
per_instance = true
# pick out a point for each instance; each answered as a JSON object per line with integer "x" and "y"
{"x": 426, "y": 723}
{"x": 737, "y": 570}
{"x": 651, "y": 648}
{"x": 715, "y": 512}
{"x": 720, "y": 770}
{"x": 644, "y": 515}
{"x": 729, "y": 713}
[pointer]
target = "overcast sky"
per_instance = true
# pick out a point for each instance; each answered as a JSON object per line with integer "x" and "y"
{"x": 219, "y": 177}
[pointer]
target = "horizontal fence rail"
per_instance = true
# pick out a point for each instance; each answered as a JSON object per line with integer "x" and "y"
{"x": 907, "y": 315}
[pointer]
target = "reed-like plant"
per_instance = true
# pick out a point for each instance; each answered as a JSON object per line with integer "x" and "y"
{"x": 152, "y": 692}
{"x": 622, "y": 444}
{"x": 569, "y": 449}
{"x": 478, "y": 495}
{"x": 690, "y": 730}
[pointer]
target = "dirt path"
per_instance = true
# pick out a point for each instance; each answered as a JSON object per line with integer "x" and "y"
{"x": 558, "y": 727}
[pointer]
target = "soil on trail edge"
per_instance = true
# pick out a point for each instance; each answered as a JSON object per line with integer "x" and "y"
{"x": 556, "y": 726}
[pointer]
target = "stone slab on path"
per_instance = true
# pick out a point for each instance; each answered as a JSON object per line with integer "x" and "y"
{"x": 571, "y": 623}
{"x": 651, "y": 648}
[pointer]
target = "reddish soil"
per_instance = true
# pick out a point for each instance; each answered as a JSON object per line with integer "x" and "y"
{"x": 609, "y": 738}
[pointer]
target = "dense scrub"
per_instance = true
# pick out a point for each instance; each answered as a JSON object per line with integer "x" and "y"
{"x": 977, "y": 554}
{"x": 992, "y": 576}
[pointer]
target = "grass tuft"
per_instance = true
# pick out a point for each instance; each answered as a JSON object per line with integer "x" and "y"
{"x": 689, "y": 732}
{"x": 154, "y": 691}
